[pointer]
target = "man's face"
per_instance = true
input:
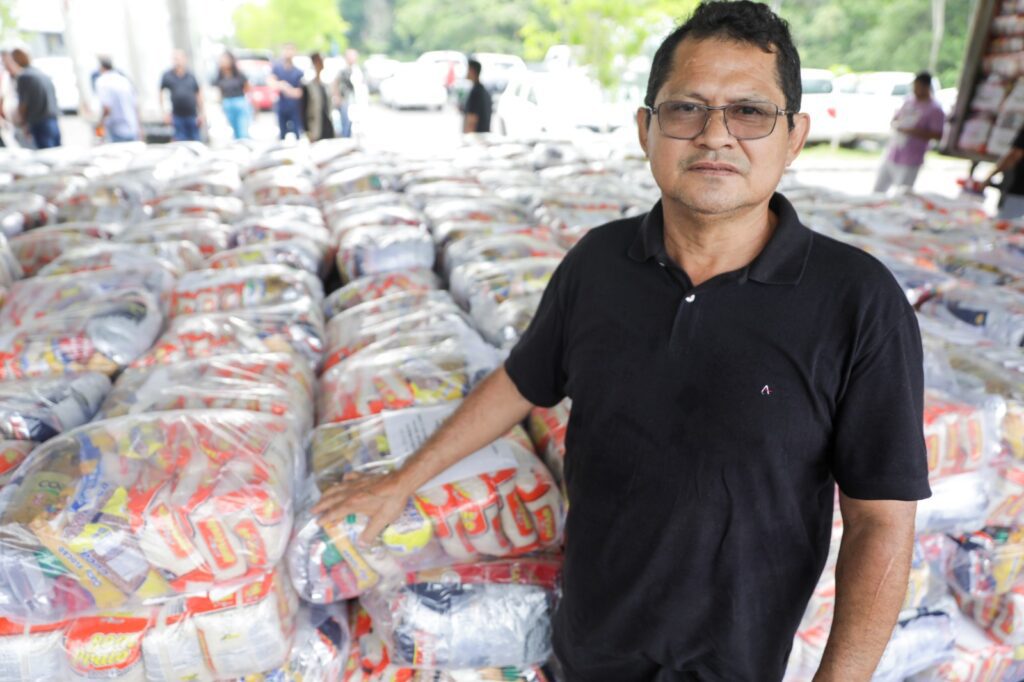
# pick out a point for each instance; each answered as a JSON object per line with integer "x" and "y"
{"x": 714, "y": 173}
{"x": 922, "y": 91}
{"x": 288, "y": 53}
{"x": 179, "y": 60}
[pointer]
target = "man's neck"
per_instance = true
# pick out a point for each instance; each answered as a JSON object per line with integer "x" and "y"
{"x": 705, "y": 246}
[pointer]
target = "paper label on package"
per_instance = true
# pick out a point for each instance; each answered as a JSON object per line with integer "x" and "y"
{"x": 408, "y": 430}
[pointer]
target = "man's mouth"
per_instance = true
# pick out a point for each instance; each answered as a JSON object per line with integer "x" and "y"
{"x": 713, "y": 168}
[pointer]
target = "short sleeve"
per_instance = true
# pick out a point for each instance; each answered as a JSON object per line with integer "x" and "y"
{"x": 473, "y": 102}
{"x": 878, "y": 435}
{"x": 164, "y": 85}
{"x": 937, "y": 120}
{"x": 535, "y": 364}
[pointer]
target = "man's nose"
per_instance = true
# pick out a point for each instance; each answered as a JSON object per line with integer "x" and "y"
{"x": 716, "y": 132}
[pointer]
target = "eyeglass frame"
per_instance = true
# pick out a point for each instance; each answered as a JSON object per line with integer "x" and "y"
{"x": 779, "y": 111}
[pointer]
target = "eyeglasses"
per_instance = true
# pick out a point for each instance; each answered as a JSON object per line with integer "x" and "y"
{"x": 743, "y": 120}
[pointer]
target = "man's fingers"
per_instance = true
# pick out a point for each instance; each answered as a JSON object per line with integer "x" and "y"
{"x": 376, "y": 525}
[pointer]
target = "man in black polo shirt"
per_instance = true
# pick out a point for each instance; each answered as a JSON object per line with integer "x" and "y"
{"x": 186, "y": 99}
{"x": 727, "y": 368}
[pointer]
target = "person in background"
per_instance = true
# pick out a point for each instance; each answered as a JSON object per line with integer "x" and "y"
{"x": 477, "y": 109}
{"x": 37, "y": 101}
{"x": 919, "y": 121}
{"x": 286, "y": 79}
{"x": 120, "y": 117}
{"x": 316, "y": 105}
{"x": 344, "y": 90}
{"x": 186, "y": 99}
{"x": 233, "y": 86}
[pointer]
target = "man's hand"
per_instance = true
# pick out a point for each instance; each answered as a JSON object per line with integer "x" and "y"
{"x": 494, "y": 407}
{"x": 381, "y": 498}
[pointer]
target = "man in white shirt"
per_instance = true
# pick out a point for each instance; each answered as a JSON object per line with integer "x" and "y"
{"x": 120, "y": 109}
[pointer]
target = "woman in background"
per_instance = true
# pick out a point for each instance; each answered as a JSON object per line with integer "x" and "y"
{"x": 233, "y": 87}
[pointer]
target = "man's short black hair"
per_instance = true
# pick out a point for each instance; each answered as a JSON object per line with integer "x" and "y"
{"x": 742, "y": 21}
{"x": 106, "y": 63}
{"x": 474, "y": 65}
{"x": 924, "y": 78}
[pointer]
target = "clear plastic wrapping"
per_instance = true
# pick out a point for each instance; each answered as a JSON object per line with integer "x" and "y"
{"x": 209, "y": 291}
{"x": 273, "y": 383}
{"x": 209, "y": 235}
{"x": 377, "y": 286}
{"x": 10, "y": 268}
{"x": 499, "y": 247}
{"x": 342, "y": 221}
{"x": 987, "y": 562}
{"x": 195, "y": 205}
{"x": 39, "y": 297}
{"x": 356, "y": 180}
{"x": 548, "y": 427}
{"x": 393, "y": 379}
{"x": 499, "y": 502}
{"x": 103, "y": 335}
{"x": 299, "y": 253}
{"x": 992, "y": 312}
{"x": 282, "y": 226}
{"x": 476, "y": 284}
{"x": 370, "y": 661}
{"x": 12, "y": 454}
{"x": 222, "y": 634}
{"x": 975, "y": 658}
{"x": 482, "y": 615}
{"x": 177, "y": 256}
{"x": 371, "y": 250}
{"x": 356, "y": 328}
{"x": 37, "y": 248}
{"x": 39, "y": 409}
{"x": 960, "y": 437}
{"x": 22, "y": 211}
{"x": 319, "y": 650}
{"x": 296, "y": 327}
{"x": 137, "y": 508}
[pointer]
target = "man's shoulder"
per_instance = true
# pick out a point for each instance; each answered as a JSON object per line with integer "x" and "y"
{"x": 837, "y": 267}
{"x": 608, "y": 240}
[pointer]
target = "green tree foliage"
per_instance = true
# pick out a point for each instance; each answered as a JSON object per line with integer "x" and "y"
{"x": 878, "y": 35}
{"x": 605, "y": 29}
{"x": 469, "y": 26}
{"x": 309, "y": 24}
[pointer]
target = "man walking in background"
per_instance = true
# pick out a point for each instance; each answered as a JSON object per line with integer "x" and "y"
{"x": 37, "y": 101}
{"x": 120, "y": 118}
{"x": 286, "y": 79}
{"x": 316, "y": 105}
{"x": 477, "y": 109}
{"x": 186, "y": 99}
{"x": 919, "y": 121}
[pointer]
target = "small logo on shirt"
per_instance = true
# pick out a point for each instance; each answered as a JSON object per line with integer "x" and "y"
{"x": 767, "y": 390}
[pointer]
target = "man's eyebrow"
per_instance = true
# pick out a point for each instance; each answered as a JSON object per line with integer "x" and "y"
{"x": 748, "y": 97}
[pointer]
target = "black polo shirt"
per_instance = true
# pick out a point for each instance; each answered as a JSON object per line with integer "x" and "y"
{"x": 709, "y": 427}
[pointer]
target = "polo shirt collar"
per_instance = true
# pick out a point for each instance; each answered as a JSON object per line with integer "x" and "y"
{"x": 782, "y": 260}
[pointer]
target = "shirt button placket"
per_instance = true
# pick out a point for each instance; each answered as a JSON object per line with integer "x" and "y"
{"x": 684, "y": 326}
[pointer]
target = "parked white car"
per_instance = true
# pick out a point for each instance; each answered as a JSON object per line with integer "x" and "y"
{"x": 497, "y": 69}
{"x": 541, "y": 104}
{"x": 448, "y": 66}
{"x": 377, "y": 68}
{"x": 820, "y": 101}
{"x": 413, "y": 86}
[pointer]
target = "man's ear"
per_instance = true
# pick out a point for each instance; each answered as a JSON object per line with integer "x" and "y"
{"x": 643, "y": 126}
{"x": 797, "y": 137}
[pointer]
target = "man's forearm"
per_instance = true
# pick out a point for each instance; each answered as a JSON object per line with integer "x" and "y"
{"x": 871, "y": 584}
{"x": 494, "y": 407}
